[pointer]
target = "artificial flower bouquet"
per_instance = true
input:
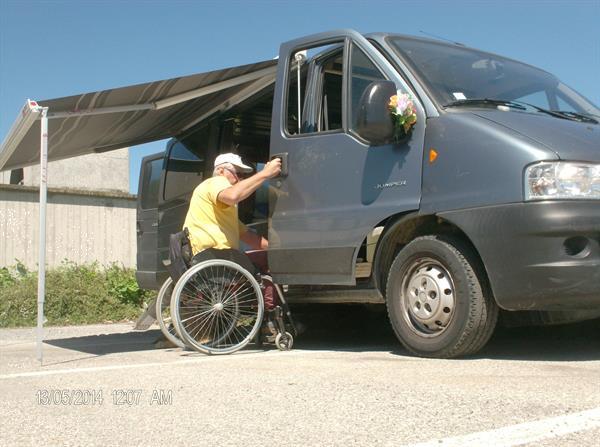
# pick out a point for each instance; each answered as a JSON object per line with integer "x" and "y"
{"x": 404, "y": 114}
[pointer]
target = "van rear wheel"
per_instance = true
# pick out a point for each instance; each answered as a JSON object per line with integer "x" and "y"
{"x": 437, "y": 299}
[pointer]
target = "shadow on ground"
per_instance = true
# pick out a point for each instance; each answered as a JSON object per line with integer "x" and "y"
{"x": 359, "y": 328}
{"x": 569, "y": 342}
{"x": 109, "y": 343}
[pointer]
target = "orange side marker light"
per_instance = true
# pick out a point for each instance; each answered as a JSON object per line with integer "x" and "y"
{"x": 433, "y": 155}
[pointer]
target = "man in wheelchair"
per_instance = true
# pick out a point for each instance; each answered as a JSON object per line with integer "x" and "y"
{"x": 212, "y": 220}
{"x": 217, "y": 306}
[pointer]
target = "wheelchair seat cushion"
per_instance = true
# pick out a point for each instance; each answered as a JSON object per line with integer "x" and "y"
{"x": 228, "y": 254}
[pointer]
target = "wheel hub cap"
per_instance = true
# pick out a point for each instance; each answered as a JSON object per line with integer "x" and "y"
{"x": 430, "y": 297}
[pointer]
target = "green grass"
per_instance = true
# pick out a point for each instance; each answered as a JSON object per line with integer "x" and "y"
{"x": 75, "y": 294}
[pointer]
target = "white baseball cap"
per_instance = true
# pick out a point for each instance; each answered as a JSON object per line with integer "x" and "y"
{"x": 233, "y": 159}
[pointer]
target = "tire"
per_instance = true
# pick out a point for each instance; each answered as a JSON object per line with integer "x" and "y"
{"x": 163, "y": 314}
{"x": 438, "y": 300}
{"x": 217, "y": 306}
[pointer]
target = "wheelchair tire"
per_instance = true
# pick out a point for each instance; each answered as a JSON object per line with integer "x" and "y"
{"x": 163, "y": 314}
{"x": 217, "y": 307}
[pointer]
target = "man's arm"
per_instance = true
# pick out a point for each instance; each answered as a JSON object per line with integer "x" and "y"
{"x": 244, "y": 188}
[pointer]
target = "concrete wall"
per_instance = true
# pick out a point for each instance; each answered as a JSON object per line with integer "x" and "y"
{"x": 108, "y": 171}
{"x": 82, "y": 226}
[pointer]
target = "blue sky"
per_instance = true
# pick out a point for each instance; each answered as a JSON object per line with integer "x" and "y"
{"x": 50, "y": 49}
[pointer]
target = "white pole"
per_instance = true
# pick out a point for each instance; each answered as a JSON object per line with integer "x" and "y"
{"x": 42, "y": 242}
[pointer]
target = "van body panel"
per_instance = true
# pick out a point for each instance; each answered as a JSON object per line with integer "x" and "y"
{"x": 479, "y": 162}
{"x": 148, "y": 260}
{"x": 337, "y": 188}
{"x": 571, "y": 140}
{"x": 538, "y": 255}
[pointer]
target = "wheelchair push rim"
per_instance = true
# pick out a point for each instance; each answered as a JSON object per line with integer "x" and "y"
{"x": 163, "y": 314}
{"x": 217, "y": 306}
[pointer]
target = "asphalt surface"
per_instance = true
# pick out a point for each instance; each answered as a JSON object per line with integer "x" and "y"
{"x": 346, "y": 382}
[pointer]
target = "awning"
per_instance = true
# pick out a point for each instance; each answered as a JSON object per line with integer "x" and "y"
{"x": 126, "y": 116}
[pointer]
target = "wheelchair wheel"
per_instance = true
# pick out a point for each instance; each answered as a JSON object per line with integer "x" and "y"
{"x": 284, "y": 342}
{"x": 163, "y": 314}
{"x": 217, "y": 307}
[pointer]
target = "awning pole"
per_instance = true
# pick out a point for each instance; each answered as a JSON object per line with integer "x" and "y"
{"x": 42, "y": 241}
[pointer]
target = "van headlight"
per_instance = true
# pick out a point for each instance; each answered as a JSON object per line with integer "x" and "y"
{"x": 562, "y": 180}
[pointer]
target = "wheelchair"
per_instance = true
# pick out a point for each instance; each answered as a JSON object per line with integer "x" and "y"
{"x": 217, "y": 307}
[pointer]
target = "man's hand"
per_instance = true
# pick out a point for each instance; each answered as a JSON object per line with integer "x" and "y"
{"x": 272, "y": 169}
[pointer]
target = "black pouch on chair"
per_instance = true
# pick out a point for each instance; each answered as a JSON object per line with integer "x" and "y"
{"x": 180, "y": 254}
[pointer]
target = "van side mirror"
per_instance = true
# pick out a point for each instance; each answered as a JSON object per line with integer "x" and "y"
{"x": 373, "y": 120}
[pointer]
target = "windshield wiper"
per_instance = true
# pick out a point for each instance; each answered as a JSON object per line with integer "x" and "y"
{"x": 520, "y": 105}
{"x": 573, "y": 116}
{"x": 584, "y": 118}
{"x": 486, "y": 101}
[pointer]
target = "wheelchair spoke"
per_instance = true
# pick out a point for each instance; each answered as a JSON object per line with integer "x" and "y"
{"x": 210, "y": 328}
{"x": 239, "y": 292}
{"x": 232, "y": 283}
{"x": 200, "y": 322}
{"x": 202, "y": 325}
{"x": 197, "y": 315}
{"x": 195, "y": 324}
{"x": 192, "y": 327}
{"x": 201, "y": 285}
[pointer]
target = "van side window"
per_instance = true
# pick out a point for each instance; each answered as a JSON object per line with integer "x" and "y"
{"x": 318, "y": 103}
{"x": 150, "y": 184}
{"x": 362, "y": 73}
{"x": 185, "y": 170}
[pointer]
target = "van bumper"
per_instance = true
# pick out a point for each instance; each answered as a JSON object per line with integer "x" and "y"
{"x": 538, "y": 255}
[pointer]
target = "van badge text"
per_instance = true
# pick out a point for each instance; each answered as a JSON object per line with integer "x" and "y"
{"x": 390, "y": 184}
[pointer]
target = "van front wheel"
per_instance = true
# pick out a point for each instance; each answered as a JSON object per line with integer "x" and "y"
{"x": 437, "y": 301}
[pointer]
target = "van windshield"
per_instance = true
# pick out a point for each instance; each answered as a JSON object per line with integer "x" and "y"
{"x": 455, "y": 75}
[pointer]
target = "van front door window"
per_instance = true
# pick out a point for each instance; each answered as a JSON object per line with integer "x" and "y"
{"x": 315, "y": 101}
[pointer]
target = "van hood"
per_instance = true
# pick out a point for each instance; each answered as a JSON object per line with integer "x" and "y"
{"x": 571, "y": 140}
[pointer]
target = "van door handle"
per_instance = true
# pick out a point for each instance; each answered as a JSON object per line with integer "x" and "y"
{"x": 284, "y": 163}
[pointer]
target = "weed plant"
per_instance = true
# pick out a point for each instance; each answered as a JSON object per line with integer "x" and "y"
{"x": 75, "y": 294}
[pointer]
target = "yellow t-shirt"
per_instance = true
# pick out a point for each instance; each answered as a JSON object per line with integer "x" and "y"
{"x": 212, "y": 224}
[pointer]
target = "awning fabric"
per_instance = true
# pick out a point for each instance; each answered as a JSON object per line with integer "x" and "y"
{"x": 136, "y": 114}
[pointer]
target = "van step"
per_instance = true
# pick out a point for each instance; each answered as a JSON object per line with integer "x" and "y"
{"x": 336, "y": 296}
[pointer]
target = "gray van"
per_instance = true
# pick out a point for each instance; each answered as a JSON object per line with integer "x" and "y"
{"x": 492, "y": 201}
